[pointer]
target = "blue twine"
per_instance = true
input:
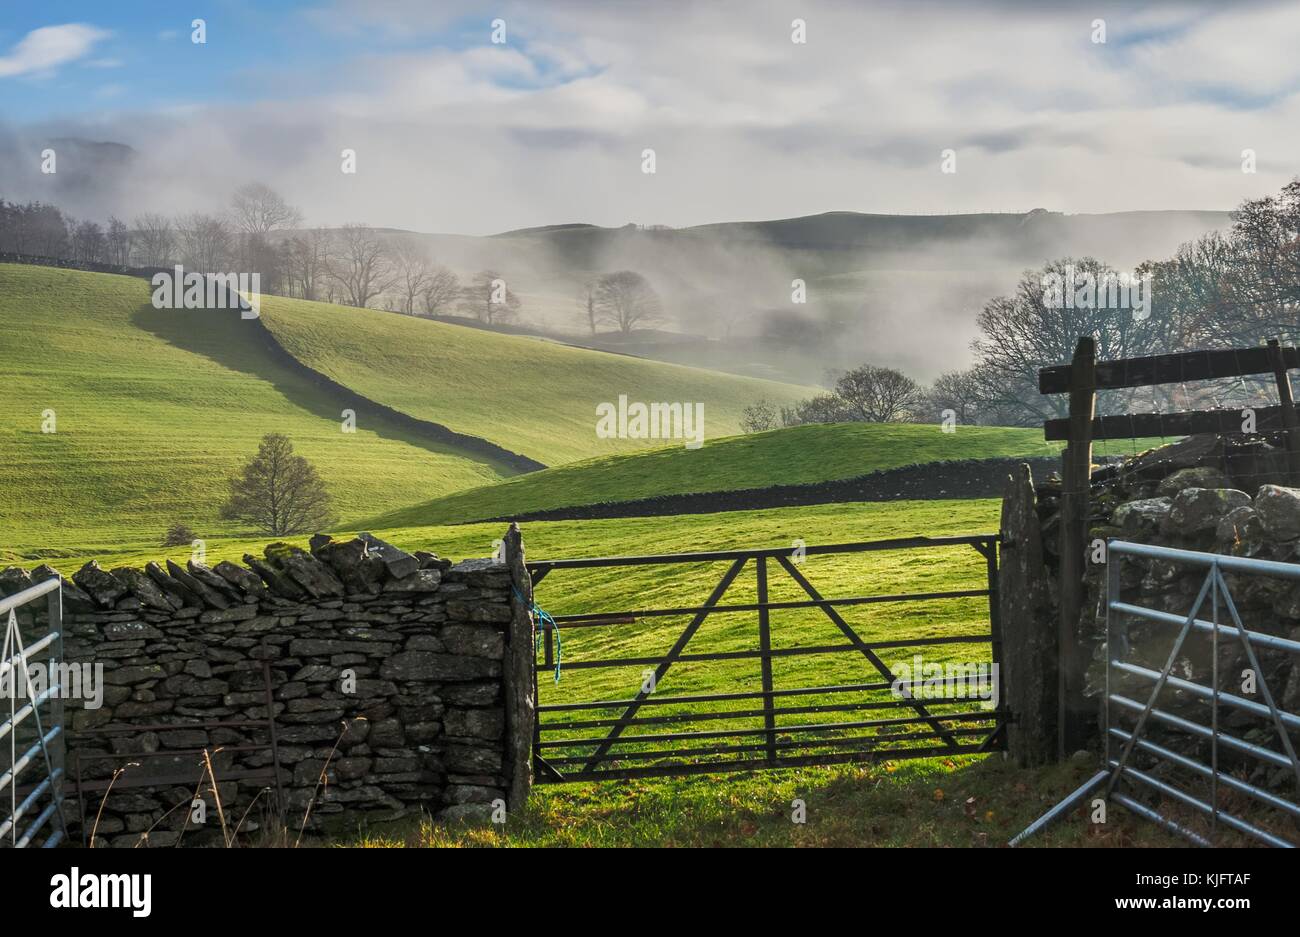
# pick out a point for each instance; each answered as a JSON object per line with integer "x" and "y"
{"x": 543, "y": 618}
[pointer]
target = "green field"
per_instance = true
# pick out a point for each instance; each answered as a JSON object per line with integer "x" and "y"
{"x": 154, "y": 409}
{"x": 530, "y": 396}
{"x": 795, "y": 456}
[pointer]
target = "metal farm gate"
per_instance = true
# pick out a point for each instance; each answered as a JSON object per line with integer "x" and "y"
{"x": 631, "y": 693}
{"x": 31, "y": 723}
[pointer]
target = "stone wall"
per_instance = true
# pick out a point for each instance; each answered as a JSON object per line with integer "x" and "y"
{"x": 1218, "y": 494}
{"x": 400, "y": 684}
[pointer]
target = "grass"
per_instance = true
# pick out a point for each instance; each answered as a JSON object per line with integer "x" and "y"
{"x": 794, "y": 456}
{"x": 962, "y": 802}
{"x": 154, "y": 409}
{"x": 531, "y": 396}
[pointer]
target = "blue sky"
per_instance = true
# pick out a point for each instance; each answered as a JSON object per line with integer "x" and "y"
{"x": 144, "y": 56}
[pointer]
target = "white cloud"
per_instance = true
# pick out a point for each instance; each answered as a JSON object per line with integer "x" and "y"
{"x": 49, "y": 47}
{"x": 464, "y": 136}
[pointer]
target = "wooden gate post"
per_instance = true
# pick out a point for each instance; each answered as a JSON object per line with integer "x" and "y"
{"x": 1076, "y": 477}
{"x": 1290, "y": 422}
{"x": 520, "y": 673}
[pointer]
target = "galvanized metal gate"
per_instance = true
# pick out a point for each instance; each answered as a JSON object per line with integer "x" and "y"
{"x": 31, "y": 724}
{"x": 1128, "y": 720}
{"x": 758, "y": 721}
{"x": 1193, "y": 774}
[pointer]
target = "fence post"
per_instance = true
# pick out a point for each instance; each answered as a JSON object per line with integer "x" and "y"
{"x": 1076, "y": 477}
{"x": 1290, "y": 422}
{"x": 520, "y": 678}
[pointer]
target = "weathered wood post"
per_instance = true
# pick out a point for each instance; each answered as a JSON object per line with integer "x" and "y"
{"x": 520, "y": 686}
{"x": 1076, "y": 477}
{"x": 1290, "y": 422}
{"x": 1029, "y": 642}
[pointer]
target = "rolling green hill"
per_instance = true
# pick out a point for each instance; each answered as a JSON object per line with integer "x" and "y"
{"x": 530, "y": 396}
{"x": 795, "y": 456}
{"x": 154, "y": 409}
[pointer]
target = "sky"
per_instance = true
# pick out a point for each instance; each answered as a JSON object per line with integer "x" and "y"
{"x": 456, "y": 133}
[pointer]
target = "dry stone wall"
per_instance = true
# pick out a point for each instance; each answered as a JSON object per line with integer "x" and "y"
{"x": 1228, "y": 495}
{"x": 398, "y": 683}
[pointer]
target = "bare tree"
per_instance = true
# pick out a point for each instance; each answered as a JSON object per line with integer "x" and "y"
{"x": 278, "y": 492}
{"x": 360, "y": 263}
{"x": 411, "y": 273}
{"x": 759, "y": 416}
{"x": 118, "y": 238}
{"x": 256, "y": 209}
{"x": 587, "y": 301}
{"x": 205, "y": 242}
{"x": 957, "y": 391}
{"x": 307, "y": 262}
{"x": 88, "y": 244}
{"x": 823, "y": 408}
{"x": 440, "y": 290}
{"x": 489, "y": 299}
{"x": 878, "y": 395}
{"x": 627, "y": 300}
{"x": 1028, "y": 330}
{"x": 154, "y": 240}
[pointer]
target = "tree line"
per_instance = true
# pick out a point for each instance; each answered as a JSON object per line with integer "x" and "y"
{"x": 354, "y": 265}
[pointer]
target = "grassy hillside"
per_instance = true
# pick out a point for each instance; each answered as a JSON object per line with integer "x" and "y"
{"x": 794, "y": 456}
{"x": 530, "y": 396}
{"x": 155, "y": 409}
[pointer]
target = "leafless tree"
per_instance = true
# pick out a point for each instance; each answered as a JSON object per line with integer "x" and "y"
{"x": 360, "y": 263}
{"x": 759, "y": 416}
{"x": 957, "y": 391}
{"x": 88, "y": 244}
{"x": 411, "y": 273}
{"x": 154, "y": 240}
{"x": 441, "y": 290}
{"x": 307, "y": 262}
{"x": 118, "y": 242}
{"x": 878, "y": 395}
{"x": 823, "y": 408}
{"x": 1024, "y": 332}
{"x": 205, "y": 242}
{"x": 627, "y": 300}
{"x": 489, "y": 299}
{"x": 587, "y": 303}
{"x": 257, "y": 209}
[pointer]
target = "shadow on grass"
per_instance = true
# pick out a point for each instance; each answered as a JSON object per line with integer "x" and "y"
{"x": 242, "y": 345}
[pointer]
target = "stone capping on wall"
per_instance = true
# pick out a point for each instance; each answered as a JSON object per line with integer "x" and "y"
{"x": 406, "y": 679}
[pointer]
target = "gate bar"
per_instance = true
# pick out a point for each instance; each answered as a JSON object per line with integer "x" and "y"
{"x": 863, "y": 646}
{"x": 723, "y": 697}
{"x": 1200, "y": 806}
{"x": 1065, "y": 806}
{"x": 1227, "y": 780}
{"x": 866, "y": 546}
{"x": 595, "y": 619}
{"x": 1264, "y": 754}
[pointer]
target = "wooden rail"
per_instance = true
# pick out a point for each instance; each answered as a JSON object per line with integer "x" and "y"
{"x": 1081, "y": 379}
